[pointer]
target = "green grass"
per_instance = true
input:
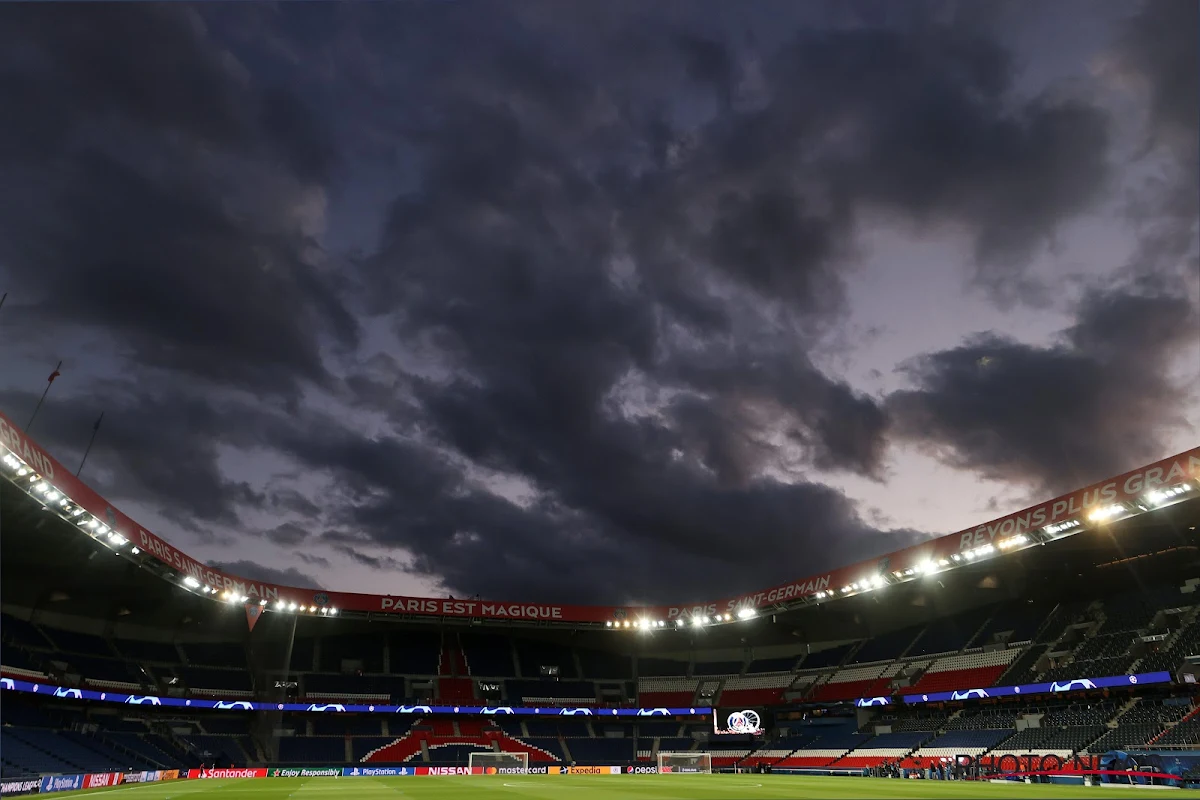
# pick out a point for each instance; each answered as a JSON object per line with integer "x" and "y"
{"x": 581, "y": 787}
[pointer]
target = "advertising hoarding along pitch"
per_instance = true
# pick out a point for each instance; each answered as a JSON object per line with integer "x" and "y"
{"x": 1128, "y": 487}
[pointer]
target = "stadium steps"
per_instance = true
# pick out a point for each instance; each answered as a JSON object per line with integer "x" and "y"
{"x": 578, "y": 663}
{"x": 1122, "y": 711}
{"x": 516, "y": 660}
{"x": 566, "y": 749}
{"x": 971, "y": 641}
{"x": 698, "y": 697}
{"x": 1170, "y": 725}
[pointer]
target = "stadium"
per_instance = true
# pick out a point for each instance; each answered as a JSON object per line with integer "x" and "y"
{"x": 1054, "y": 645}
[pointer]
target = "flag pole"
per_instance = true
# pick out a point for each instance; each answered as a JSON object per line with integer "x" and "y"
{"x": 3, "y": 297}
{"x": 92, "y": 441}
{"x": 42, "y": 399}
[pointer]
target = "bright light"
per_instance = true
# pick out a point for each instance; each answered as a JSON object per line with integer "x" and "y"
{"x": 747, "y": 613}
{"x": 943, "y": 563}
{"x": 312, "y": 609}
{"x": 324, "y": 611}
{"x": 291, "y": 607}
{"x": 135, "y": 551}
{"x": 280, "y": 604}
{"x": 878, "y": 581}
{"x": 43, "y": 487}
{"x": 52, "y": 496}
{"x": 117, "y": 539}
{"x": 697, "y": 621}
{"x": 926, "y": 567}
{"x": 93, "y": 523}
{"x": 191, "y": 582}
{"x": 333, "y": 612}
{"x": 846, "y": 589}
{"x": 1159, "y": 496}
{"x": 608, "y": 623}
{"x": 1106, "y": 512}
{"x": 262, "y": 602}
{"x": 243, "y": 599}
{"x": 77, "y": 512}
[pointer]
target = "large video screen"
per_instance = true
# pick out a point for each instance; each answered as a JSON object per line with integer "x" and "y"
{"x": 740, "y": 721}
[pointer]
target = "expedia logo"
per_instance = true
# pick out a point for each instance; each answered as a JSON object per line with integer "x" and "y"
{"x": 321, "y": 599}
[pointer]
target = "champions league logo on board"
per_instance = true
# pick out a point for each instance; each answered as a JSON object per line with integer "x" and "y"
{"x": 619, "y": 613}
{"x": 242, "y": 705}
{"x": 1071, "y": 686}
{"x": 321, "y": 599}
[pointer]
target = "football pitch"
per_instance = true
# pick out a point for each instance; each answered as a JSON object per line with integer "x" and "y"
{"x": 615, "y": 787}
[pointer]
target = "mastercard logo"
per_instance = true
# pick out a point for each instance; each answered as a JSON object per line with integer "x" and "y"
{"x": 491, "y": 771}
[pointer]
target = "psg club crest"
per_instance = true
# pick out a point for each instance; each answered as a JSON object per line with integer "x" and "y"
{"x": 619, "y": 613}
{"x": 253, "y": 612}
{"x": 321, "y": 599}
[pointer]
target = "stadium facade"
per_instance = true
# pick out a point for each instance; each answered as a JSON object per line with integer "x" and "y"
{"x": 1065, "y": 631}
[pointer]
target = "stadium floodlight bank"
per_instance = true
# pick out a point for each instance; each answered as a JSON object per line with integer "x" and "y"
{"x": 500, "y": 763}
{"x": 684, "y": 763}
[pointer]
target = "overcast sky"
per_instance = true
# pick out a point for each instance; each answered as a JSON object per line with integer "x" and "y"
{"x": 596, "y": 301}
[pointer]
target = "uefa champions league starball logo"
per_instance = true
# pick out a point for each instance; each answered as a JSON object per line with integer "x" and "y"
{"x": 744, "y": 722}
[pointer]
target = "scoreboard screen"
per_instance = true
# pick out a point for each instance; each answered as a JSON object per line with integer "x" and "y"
{"x": 743, "y": 721}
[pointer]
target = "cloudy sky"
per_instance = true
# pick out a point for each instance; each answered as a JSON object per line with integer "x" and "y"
{"x": 596, "y": 301}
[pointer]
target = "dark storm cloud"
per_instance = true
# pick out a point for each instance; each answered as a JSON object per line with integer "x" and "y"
{"x": 585, "y": 301}
{"x": 1156, "y": 53}
{"x": 161, "y": 450}
{"x": 1057, "y": 417}
{"x": 617, "y": 245}
{"x": 1158, "y": 48}
{"x": 287, "y": 534}
{"x": 157, "y": 195}
{"x": 403, "y": 496}
{"x": 255, "y": 571}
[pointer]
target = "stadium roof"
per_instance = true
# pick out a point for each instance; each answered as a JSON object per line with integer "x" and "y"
{"x": 1085, "y": 529}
